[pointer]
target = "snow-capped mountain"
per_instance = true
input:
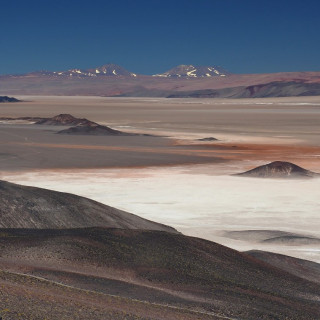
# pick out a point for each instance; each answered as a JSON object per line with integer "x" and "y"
{"x": 112, "y": 70}
{"x": 190, "y": 71}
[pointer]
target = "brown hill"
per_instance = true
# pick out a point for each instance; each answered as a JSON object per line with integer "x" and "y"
{"x": 29, "y": 207}
{"x": 157, "y": 267}
{"x": 279, "y": 169}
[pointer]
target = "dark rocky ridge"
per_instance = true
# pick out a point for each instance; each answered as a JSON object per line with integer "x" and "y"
{"x": 279, "y": 169}
{"x": 8, "y": 99}
{"x": 29, "y": 207}
{"x": 265, "y": 90}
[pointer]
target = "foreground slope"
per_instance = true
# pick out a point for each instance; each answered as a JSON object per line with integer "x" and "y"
{"x": 29, "y": 207}
{"x": 24, "y": 297}
{"x": 160, "y": 268}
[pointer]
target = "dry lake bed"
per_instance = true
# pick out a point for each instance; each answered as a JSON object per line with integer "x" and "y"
{"x": 171, "y": 176}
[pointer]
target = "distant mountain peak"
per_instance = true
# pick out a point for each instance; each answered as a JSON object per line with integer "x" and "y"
{"x": 191, "y": 71}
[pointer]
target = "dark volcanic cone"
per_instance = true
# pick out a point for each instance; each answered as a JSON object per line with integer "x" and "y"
{"x": 64, "y": 120}
{"x": 8, "y": 99}
{"x": 93, "y": 129}
{"x": 37, "y": 208}
{"x": 279, "y": 169}
{"x": 208, "y": 139}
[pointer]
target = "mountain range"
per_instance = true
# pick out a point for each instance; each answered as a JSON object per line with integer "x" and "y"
{"x": 183, "y": 81}
{"x": 114, "y": 70}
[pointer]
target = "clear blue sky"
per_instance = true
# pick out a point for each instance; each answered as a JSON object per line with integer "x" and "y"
{"x": 151, "y": 36}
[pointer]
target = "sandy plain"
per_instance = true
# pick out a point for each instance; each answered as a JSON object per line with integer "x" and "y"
{"x": 172, "y": 177}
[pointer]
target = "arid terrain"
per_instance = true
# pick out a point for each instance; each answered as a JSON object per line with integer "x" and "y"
{"x": 178, "y": 169}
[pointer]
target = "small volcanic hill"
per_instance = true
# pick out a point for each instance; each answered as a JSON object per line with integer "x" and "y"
{"x": 80, "y": 126}
{"x": 8, "y": 99}
{"x": 208, "y": 139}
{"x": 279, "y": 169}
{"x": 163, "y": 269}
{"x": 29, "y": 207}
{"x": 93, "y": 129}
{"x": 64, "y": 120}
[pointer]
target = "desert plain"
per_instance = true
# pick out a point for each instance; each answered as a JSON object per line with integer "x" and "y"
{"x": 169, "y": 175}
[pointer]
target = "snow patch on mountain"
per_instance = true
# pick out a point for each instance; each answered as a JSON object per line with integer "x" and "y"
{"x": 190, "y": 71}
